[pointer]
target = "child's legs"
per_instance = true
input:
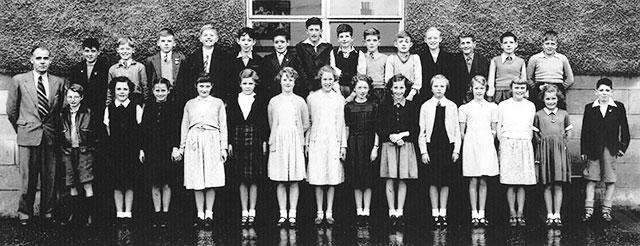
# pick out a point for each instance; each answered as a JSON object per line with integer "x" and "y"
{"x": 244, "y": 196}
{"x": 482, "y": 194}
{"x": 210, "y": 198}
{"x": 357, "y": 195}
{"x": 281, "y": 194}
{"x": 367, "y": 198}
{"x": 391, "y": 194}
{"x": 319, "y": 198}
{"x": 253, "y": 196}
{"x": 608, "y": 194}
{"x": 294, "y": 193}
{"x": 128, "y": 200}
{"x": 331, "y": 191}
{"x": 118, "y": 198}
{"x": 73, "y": 191}
{"x": 444, "y": 197}
{"x": 433, "y": 196}
{"x": 156, "y": 196}
{"x": 199, "y": 199}
{"x": 166, "y": 198}
{"x": 511, "y": 199}
{"x": 402, "y": 193}
{"x": 88, "y": 189}
{"x": 557, "y": 198}
{"x": 521, "y": 199}
{"x": 548, "y": 198}
{"x": 473, "y": 194}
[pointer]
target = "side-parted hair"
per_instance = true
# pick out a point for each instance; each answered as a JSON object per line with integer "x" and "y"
{"x": 281, "y": 32}
{"x": 404, "y": 34}
{"x": 371, "y": 31}
{"x": 344, "y": 28}
{"x": 439, "y": 77}
{"x": 550, "y": 35}
{"x": 466, "y": 35}
{"x": 313, "y": 21}
{"x": 165, "y": 32}
{"x": 76, "y": 88}
{"x": 508, "y": 34}
{"x": 398, "y": 78}
{"x": 203, "y": 78}
{"x": 248, "y": 73}
{"x": 361, "y": 77}
{"x": 34, "y": 48}
{"x": 288, "y": 72}
{"x": 162, "y": 81}
{"x": 478, "y": 79}
{"x": 604, "y": 81}
{"x": 246, "y": 31}
{"x": 551, "y": 88}
{"x": 327, "y": 69}
{"x": 121, "y": 79}
{"x": 91, "y": 43}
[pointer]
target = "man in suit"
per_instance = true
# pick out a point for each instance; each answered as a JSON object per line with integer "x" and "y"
{"x": 33, "y": 107}
{"x": 279, "y": 59}
{"x": 466, "y": 65}
{"x": 166, "y": 63}
{"x": 210, "y": 60}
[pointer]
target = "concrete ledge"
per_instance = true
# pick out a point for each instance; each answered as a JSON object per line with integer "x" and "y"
{"x": 3, "y": 101}
{"x": 9, "y": 201}
{"x": 4, "y": 81}
{"x": 6, "y": 129}
{"x": 589, "y": 82}
{"x": 8, "y": 153}
{"x": 10, "y": 178}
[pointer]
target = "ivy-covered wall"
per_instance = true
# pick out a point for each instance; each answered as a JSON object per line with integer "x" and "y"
{"x": 61, "y": 25}
{"x": 600, "y": 37}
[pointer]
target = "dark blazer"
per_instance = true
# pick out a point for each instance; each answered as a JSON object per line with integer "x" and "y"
{"x": 22, "y": 109}
{"x": 462, "y": 77}
{"x": 312, "y": 61}
{"x": 153, "y": 67}
{"x": 273, "y": 66}
{"x": 193, "y": 66}
{"x": 257, "y": 64}
{"x": 611, "y": 131}
{"x": 85, "y": 125}
{"x": 257, "y": 117}
{"x": 430, "y": 69}
{"x": 95, "y": 87}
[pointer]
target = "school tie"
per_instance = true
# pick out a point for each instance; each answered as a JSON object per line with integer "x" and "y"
{"x": 509, "y": 58}
{"x": 166, "y": 57}
{"x": 469, "y": 61}
{"x": 43, "y": 102}
{"x": 371, "y": 54}
{"x": 206, "y": 64}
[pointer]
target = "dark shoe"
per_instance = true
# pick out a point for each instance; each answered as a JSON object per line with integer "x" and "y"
{"x": 558, "y": 222}
{"x": 208, "y": 223}
{"x": 293, "y": 221}
{"x": 365, "y": 220}
{"x": 393, "y": 220}
{"x": 243, "y": 220}
{"x": 251, "y": 220}
{"x": 475, "y": 222}
{"x": 330, "y": 220}
{"x": 513, "y": 221}
{"x": 163, "y": 219}
{"x": 443, "y": 220}
{"x": 549, "y": 222}
{"x": 198, "y": 223}
{"x": 155, "y": 220}
{"x": 606, "y": 216}
{"x": 400, "y": 221}
{"x": 483, "y": 222}
{"x": 281, "y": 221}
{"x": 522, "y": 222}
{"x": 436, "y": 221}
{"x": 24, "y": 222}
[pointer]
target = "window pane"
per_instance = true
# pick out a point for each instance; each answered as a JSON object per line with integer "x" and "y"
{"x": 364, "y": 7}
{"x": 264, "y": 32}
{"x": 286, "y": 7}
{"x": 388, "y": 30}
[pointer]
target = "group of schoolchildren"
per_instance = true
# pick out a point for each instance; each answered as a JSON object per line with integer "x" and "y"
{"x": 325, "y": 115}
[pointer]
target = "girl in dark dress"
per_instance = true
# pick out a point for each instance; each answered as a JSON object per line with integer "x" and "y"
{"x": 122, "y": 119}
{"x": 248, "y": 134}
{"x": 439, "y": 145}
{"x": 160, "y": 126}
{"x": 360, "y": 117}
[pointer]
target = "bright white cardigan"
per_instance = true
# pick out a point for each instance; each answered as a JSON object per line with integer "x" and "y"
{"x": 427, "y": 118}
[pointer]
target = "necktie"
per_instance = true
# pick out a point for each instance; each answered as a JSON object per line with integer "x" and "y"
{"x": 371, "y": 55}
{"x": 206, "y": 64}
{"x": 166, "y": 57}
{"x": 509, "y": 58}
{"x": 469, "y": 61}
{"x": 43, "y": 102}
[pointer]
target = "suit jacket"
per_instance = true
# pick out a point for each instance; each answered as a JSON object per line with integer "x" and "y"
{"x": 257, "y": 63}
{"x": 312, "y": 61}
{"x": 22, "y": 109}
{"x": 153, "y": 67}
{"x": 430, "y": 69}
{"x": 462, "y": 77}
{"x": 273, "y": 66}
{"x": 611, "y": 131}
{"x": 95, "y": 87}
{"x": 193, "y": 66}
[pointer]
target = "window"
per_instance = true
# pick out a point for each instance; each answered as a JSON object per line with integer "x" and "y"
{"x": 267, "y": 15}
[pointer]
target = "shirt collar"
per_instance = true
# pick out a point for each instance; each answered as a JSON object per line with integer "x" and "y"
{"x": 347, "y": 50}
{"x": 125, "y": 103}
{"x": 168, "y": 54}
{"x": 469, "y": 55}
{"x": 555, "y": 111}
{"x": 542, "y": 55}
{"x": 443, "y": 102}
{"x": 36, "y": 75}
{"x": 206, "y": 99}
{"x": 307, "y": 41}
{"x": 610, "y": 103}
{"x": 250, "y": 55}
{"x": 283, "y": 53}
{"x": 126, "y": 63}
{"x": 504, "y": 57}
{"x": 245, "y": 96}
{"x": 402, "y": 102}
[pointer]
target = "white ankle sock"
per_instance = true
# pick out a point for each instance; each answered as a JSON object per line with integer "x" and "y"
{"x": 366, "y": 212}
{"x": 201, "y": 215}
{"x": 208, "y": 214}
{"x": 252, "y": 212}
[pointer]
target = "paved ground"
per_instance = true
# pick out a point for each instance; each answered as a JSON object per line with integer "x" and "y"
{"x": 624, "y": 230}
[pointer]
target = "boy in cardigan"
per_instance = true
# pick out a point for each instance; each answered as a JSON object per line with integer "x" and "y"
{"x": 549, "y": 67}
{"x": 373, "y": 63}
{"x": 604, "y": 138}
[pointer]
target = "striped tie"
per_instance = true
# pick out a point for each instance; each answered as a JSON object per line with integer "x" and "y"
{"x": 206, "y": 64}
{"x": 43, "y": 102}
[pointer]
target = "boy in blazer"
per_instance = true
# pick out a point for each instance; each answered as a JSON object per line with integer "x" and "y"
{"x": 281, "y": 57}
{"x": 166, "y": 63}
{"x": 91, "y": 73}
{"x": 434, "y": 61}
{"x": 210, "y": 59}
{"x": 466, "y": 65}
{"x": 33, "y": 108}
{"x": 604, "y": 138}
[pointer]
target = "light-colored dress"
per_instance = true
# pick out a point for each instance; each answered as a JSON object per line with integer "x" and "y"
{"x": 515, "y": 125}
{"x": 288, "y": 118}
{"x": 326, "y": 136}
{"x": 204, "y": 136}
{"x": 479, "y": 157}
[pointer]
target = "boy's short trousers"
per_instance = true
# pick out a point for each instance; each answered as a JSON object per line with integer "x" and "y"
{"x": 602, "y": 169}
{"x": 79, "y": 166}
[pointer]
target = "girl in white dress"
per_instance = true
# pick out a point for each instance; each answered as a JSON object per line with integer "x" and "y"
{"x": 478, "y": 121}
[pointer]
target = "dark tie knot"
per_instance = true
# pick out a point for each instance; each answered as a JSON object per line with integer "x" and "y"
{"x": 509, "y": 58}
